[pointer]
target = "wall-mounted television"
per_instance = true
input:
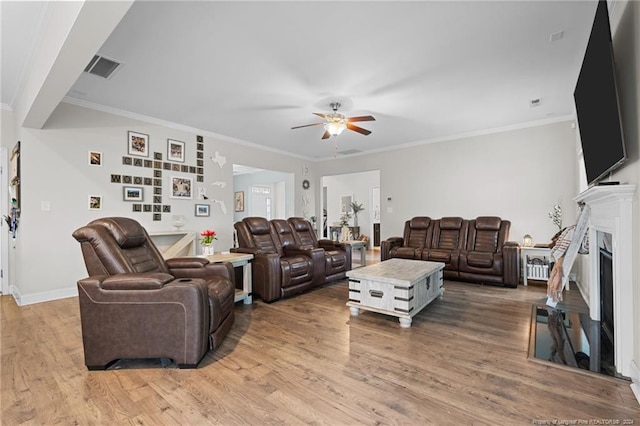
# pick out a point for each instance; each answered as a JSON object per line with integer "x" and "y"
{"x": 596, "y": 100}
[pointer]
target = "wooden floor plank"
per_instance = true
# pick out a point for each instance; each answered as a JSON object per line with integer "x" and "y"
{"x": 305, "y": 360}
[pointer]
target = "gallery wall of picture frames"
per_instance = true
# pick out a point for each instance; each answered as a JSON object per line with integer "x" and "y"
{"x": 145, "y": 192}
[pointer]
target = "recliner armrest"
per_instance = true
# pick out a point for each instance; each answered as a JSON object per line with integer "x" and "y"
{"x": 136, "y": 281}
{"x": 186, "y": 262}
{"x": 511, "y": 259}
{"x": 328, "y": 244}
{"x": 387, "y": 245}
{"x": 199, "y": 267}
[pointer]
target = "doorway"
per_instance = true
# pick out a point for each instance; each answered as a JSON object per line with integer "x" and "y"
{"x": 362, "y": 188}
{"x": 266, "y": 193}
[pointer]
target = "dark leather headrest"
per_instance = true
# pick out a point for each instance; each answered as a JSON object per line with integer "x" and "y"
{"x": 420, "y": 222}
{"x": 127, "y": 232}
{"x": 451, "y": 223}
{"x": 257, "y": 225}
{"x": 488, "y": 223}
{"x": 281, "y": 226}
{"x": 300, "y": 224}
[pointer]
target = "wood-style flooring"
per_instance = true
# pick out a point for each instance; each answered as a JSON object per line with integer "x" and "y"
{"x": 304, "y": 360}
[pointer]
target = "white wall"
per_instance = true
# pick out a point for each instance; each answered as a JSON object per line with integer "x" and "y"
{"x": 518, "y": 175}
{"x": 55, "y": 169}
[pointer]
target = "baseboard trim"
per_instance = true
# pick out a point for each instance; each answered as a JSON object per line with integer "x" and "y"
{"x": 46, "y": 296}
{"x": 635, "y": 380}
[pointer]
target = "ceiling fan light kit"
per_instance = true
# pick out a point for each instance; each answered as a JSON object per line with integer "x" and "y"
{"x": 336, "y": 123}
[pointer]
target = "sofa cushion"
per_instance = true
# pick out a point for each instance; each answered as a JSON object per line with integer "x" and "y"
{"x": 417, "y": 232}
{"x": 451, "y": 223}
{"x": 336, "y": 261}
{"x": 488, "y": 223}
{"x": 436, "y": 255}
{"x": 296, "y": 270}
{"x": 127, "y": 232}
{"x": 258, "y": 225}
{"x": 480, "y": 259}
{"x": 406, "y": 252}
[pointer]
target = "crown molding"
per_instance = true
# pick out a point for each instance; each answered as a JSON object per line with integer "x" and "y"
{"x": 160, "y": 122}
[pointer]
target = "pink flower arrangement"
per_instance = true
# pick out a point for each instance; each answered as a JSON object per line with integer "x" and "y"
{"x": 208, "y": 236}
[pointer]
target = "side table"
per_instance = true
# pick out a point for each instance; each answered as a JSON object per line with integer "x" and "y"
{"x": 238, "y": 259}
{"x": 541, "y": 273}
{"x": 358, "y": 245}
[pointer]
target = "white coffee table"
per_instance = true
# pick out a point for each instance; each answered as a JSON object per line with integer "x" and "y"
{"x": 398, "y": 287}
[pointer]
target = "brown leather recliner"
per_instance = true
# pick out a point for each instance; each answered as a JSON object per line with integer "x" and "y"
{"x": 448, "y": 240}
{"x": 417, "y": 235}
{"x": 277, "y": 271}
{"x": 337, "y": 255}
{"x": 488, "y": 256}
{"x": 135, "y": 304}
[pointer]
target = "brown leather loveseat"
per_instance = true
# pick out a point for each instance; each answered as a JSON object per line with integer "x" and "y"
{"x": 286, "y": 261}
{"x": 472, "y": 250}
{"x": 135, "y": 304}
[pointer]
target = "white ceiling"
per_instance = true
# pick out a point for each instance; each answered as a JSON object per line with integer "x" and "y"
{"x": 249, "y": 71}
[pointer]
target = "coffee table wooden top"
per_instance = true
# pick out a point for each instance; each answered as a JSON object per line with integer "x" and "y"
{"x": 397, "y": 271}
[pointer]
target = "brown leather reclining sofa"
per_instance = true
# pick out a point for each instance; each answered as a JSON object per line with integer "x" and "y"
{"x": 472, "y": 250}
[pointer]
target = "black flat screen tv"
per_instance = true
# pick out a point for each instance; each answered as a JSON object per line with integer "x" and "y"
{"x": 596, "y": 100}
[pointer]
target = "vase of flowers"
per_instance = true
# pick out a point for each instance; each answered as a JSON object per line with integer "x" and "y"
{"x": 357, "y": 208}
{"x": 207, "y": 241}
{"x": 556, "y": 215}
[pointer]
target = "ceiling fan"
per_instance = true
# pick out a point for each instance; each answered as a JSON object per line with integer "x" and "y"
{"x": 335, "y": 122}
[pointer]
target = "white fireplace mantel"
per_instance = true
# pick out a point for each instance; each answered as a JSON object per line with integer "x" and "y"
{"x": 612, "y": 212}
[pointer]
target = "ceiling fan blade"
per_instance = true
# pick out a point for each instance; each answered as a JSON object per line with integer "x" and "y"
{"x": 306, "y": 125}
{"x": 319, "y": 114}
{"x": 326, "y": 135}
{"x": 361, "y": 118}
{"x": 358, "y": 129}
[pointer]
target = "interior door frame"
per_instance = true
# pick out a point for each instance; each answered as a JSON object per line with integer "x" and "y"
{"x": 4, "y": 234}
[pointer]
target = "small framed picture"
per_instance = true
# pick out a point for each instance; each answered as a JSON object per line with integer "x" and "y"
{"x": 132, "y": 193}
{"x": 138, "y": 144}
{"x": 95, "y": 158}
{"x": 202, "y": 210}
{"x": 239, "y": 201}
{"x": 95, "y": 202}
{"x": 181, "y": 187}
{"x": 175, "y": 150}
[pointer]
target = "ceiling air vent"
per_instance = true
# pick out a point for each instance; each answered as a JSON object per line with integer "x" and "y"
{"x": 102, "y": 67}
{"x": 349, "y": 151}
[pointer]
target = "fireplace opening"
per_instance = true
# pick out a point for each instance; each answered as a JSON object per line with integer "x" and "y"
{"x": 566, "y": 335}
{"x": 607, "y": 357}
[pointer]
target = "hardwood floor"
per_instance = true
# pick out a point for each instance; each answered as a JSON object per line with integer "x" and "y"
{"x": 304, "y": 360}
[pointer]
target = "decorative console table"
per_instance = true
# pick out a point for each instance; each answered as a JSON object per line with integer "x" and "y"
{"x": 175, "y": 243}
{"x": 334, "y": 232}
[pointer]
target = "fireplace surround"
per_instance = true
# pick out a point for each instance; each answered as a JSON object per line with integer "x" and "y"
{"x": 612, "y": 213}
